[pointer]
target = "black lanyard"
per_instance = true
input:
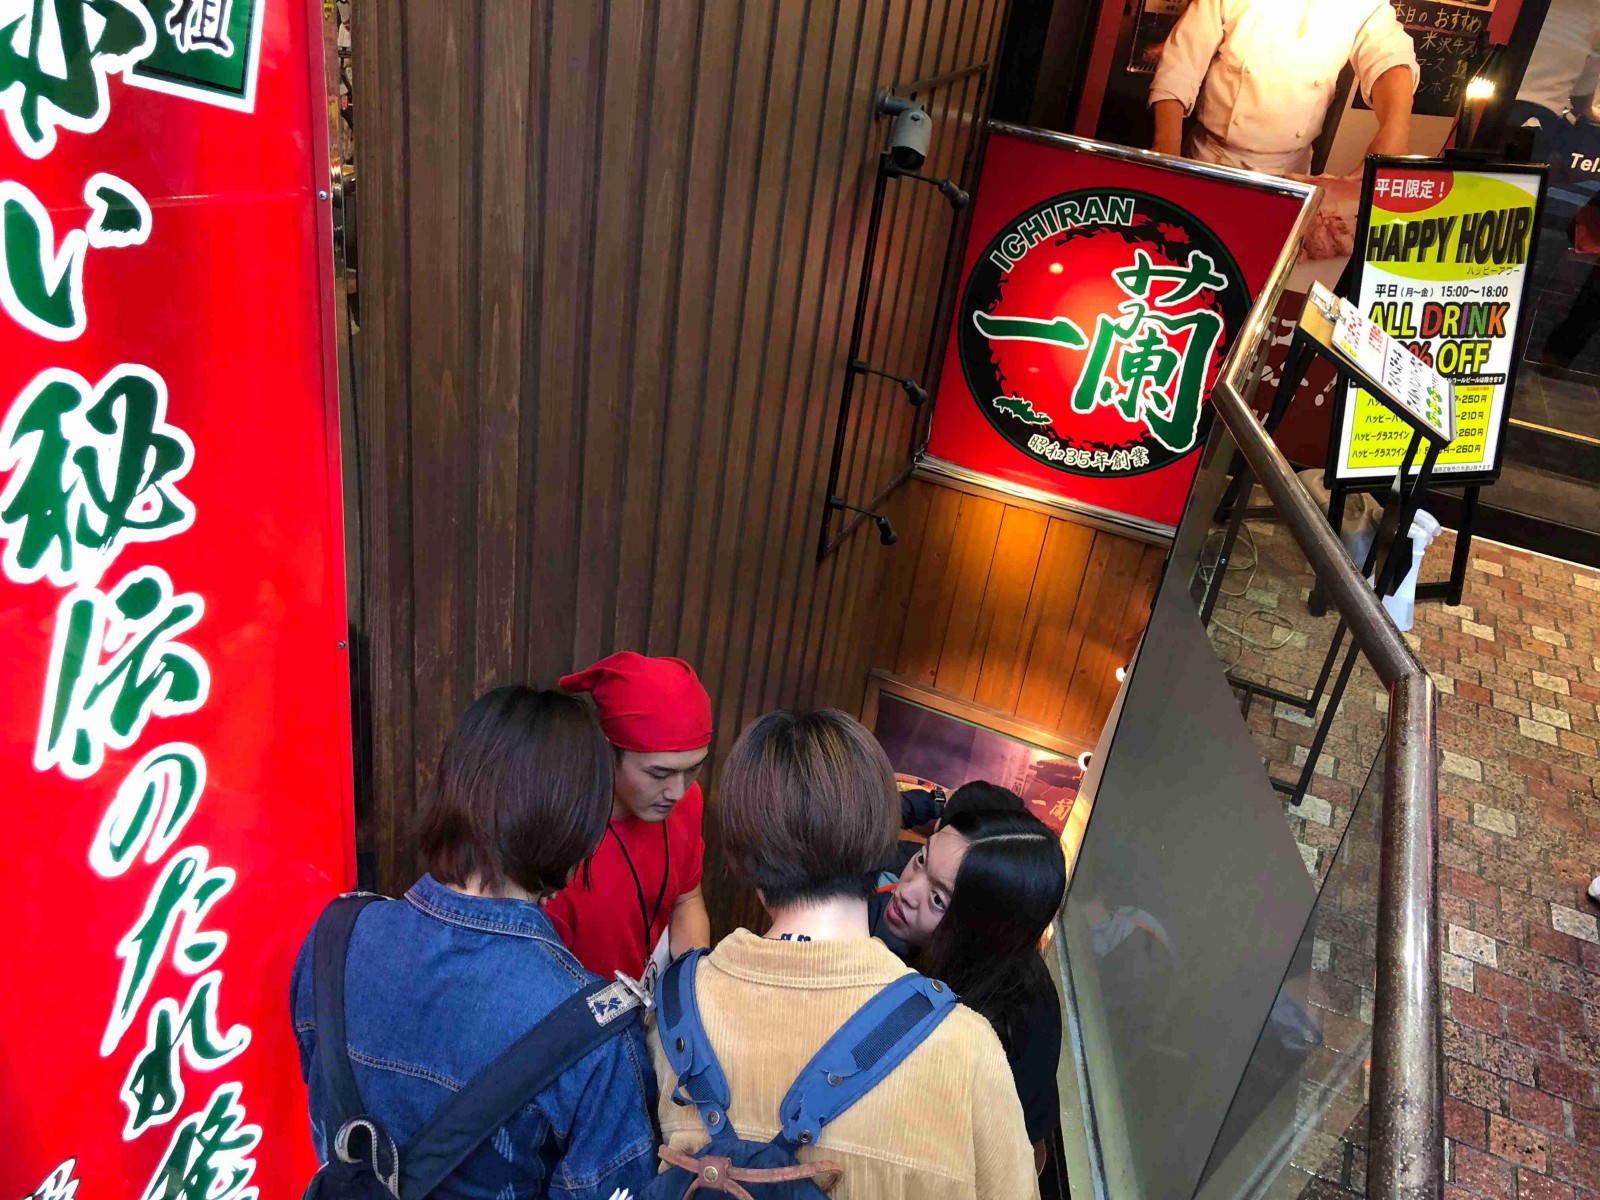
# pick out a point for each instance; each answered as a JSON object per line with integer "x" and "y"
{"x": 649, "y": 918}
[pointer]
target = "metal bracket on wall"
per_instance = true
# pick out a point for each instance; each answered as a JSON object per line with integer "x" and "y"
{"x": 908, "y": 144}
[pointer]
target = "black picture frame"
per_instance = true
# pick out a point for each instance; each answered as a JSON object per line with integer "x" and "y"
{"x": 1519, "y": 342}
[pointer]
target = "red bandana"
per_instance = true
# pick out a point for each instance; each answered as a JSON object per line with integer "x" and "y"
{"x": 648, "y": 705}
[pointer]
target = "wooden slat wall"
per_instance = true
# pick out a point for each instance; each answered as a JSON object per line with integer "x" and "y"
{"x": 609, "y": 253}
{"x": 1022, "y": 613}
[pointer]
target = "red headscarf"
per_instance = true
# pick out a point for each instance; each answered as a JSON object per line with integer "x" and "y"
{"x": 649, "y": 705}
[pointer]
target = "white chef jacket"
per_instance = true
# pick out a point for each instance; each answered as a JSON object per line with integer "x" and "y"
{"x": 1269, "y": 68}
{"x": 1566, "y": 59}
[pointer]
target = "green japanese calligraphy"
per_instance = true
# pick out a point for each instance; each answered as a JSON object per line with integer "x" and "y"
{"x": 93, "y": 701}
{"x": 93, "y": 468}
{"x": 183, "y": 895}
{"x": 1056, "y": 331}
{"x": 1144, "y": 364}
{"x": 54, "y": 60}
{"x": 42, "y": 287}
{"x": 119, "y": 215}
{"x": 1198, "y": 275}
{"x": 209, "y": 1157}
{"x": 152, "y": 806}
{"x": 59, "y": 1184}
{"x": 153, "y": 1091}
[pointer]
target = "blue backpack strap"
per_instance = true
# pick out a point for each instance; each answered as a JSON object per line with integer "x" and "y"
{"x": 701, "y": 1081}
{"x": 867, "y": 1047}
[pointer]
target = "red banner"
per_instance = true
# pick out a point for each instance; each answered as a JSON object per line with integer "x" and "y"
{"x": 1100, "y": 297}
{"x": 175, "y": 751}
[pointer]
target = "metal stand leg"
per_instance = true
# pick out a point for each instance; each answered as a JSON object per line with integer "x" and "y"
{"x": 1452, "y": 590}
{"x": 1297, "y": 791}
{"x": 1317, "y": 603}
{"x": 1235, "y": 522}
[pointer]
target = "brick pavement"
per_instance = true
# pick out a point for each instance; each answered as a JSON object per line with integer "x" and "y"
{"x": 1518, "y": 669}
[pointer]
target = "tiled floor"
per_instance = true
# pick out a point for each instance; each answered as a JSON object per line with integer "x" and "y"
{"x": 1518, "y": 669}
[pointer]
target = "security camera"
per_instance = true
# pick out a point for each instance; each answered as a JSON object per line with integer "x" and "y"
{"x": 909, "y": 137}
{"x": 911, "y": 132}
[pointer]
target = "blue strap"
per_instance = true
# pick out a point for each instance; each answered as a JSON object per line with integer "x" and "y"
{"x": 868, "y": 1046}
{"x": 683, "y": 1036}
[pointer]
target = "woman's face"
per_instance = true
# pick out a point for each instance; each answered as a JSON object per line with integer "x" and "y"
{"x": 926, "y": 888}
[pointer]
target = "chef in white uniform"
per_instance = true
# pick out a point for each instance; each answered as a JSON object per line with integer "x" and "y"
{"x": 1264, "y": 72}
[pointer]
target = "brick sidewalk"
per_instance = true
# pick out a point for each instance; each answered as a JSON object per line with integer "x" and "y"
{"x": 1520, "y": 840}
{"x": 1518, "y": 671}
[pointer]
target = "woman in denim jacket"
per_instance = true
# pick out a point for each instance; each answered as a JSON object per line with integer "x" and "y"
{"x": 437, "y": 985}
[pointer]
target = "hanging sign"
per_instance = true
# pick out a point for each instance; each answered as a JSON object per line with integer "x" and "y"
{"x": 174, "y": 729}
{"x": 1102, "y": 291}
{"x": 1445, "y": 252}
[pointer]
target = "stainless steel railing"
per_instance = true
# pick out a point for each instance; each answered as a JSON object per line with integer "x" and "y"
{"x": 1406, "y": 1103}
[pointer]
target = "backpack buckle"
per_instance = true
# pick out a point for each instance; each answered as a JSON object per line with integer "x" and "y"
{"x": 643, "y": 992}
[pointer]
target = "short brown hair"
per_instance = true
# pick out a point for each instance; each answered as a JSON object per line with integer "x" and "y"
{"x": 808, "y": 807}
{"x": 523, "y": 792}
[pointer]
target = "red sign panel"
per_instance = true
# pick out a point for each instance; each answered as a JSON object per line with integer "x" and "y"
{"x": 1100, "y": 298}
{"x": 174, "y": 729}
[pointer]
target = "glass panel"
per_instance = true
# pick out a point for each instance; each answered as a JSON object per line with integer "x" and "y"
{"x": 1184, "y": 911}
{"x": 1300, "y": 1113}
{"x": 1265, "y": 631}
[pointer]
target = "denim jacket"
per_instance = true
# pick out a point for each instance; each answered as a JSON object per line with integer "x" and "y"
{"x": 436, "y": 987}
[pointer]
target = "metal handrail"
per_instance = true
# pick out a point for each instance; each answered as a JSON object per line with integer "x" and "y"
{"x": 1406, "y": 1151}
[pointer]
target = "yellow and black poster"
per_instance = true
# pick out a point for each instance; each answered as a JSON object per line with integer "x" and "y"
{"x": 1446, "y": 253}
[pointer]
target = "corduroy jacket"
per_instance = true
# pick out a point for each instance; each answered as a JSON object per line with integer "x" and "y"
{"x": 944, "y": 1125}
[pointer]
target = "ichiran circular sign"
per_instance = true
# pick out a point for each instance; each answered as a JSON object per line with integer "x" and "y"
{"x": 1093, "y": 326}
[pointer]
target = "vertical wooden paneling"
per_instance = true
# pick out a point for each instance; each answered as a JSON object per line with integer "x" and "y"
{"x": 988, "y": 679}
{"x": 917, "y": 653}
{"x": 499, "y": 314}
{"x": 609, "y": 257}
{"x": 442, "y": 53}
{"x": 1102, "y": 626}
{"x": 383, "y": 368}
{"x": 1020, "y": 612}
{"x": 1060, "y": 641}
{"x": 670, "y": 107}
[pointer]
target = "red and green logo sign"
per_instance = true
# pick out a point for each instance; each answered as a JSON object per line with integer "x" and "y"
{"x": 1093, "y": 326}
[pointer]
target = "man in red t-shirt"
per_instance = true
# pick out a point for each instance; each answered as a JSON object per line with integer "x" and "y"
{"x": 644, "y": 877}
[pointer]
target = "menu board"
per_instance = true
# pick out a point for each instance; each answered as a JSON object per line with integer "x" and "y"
{"x": 1411, "y": 389}
{"x": 1450, "y": 40}
{"x": 1444, "y": 251}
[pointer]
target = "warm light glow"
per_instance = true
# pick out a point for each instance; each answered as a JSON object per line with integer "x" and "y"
{"x": 1122, "y": 673}
{"x": 1479, "y": 88}
{"x": 1056, "y": 268}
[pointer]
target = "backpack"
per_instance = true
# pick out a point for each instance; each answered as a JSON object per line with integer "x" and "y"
{"x": 364, "y": 1163}
{"x": 867, "y": 1047}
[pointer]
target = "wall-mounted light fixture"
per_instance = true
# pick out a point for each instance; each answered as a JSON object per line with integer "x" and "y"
{"x": 886, "y": 533}
{"x": 914, "y": 391}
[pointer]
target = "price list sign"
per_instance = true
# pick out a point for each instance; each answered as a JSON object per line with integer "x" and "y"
{"x": 1445, "y": 252}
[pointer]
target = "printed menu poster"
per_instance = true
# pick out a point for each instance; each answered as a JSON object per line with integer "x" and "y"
{"x": 1445, "y": 256}
{"x": 1409, "y": 383}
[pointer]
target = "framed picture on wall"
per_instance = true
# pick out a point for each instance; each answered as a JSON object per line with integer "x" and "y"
{"x": 933, "y": 738}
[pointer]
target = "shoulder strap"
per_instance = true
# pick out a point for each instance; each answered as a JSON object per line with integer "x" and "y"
{"x": 492, "y": 1097}
{"x": 329, "y": 952}
{"x": 871, "y": 1044}
{"x": 701, "y": 1081}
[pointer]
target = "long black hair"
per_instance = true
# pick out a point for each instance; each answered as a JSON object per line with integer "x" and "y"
{"x": 1007, "y": 891}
